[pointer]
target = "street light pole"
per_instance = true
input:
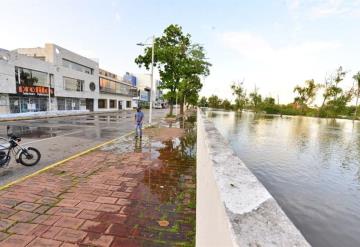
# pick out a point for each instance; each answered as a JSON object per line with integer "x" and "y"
{"x": 49, "y": 95}
{"x": 152, "y": 80}
{"x": 176, "y": 107}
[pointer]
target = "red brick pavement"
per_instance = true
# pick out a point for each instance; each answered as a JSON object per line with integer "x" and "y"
{"x": 104, "y": 198}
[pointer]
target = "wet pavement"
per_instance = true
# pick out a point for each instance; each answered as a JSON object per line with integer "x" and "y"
{"x": 129, "y": 193}
{"x": 62, "y": 137}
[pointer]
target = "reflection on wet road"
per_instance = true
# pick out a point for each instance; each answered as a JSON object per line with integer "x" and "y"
{"x": 59, "y": 138}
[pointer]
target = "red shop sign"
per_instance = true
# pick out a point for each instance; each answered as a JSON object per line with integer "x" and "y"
{"x": 34, "y": 90}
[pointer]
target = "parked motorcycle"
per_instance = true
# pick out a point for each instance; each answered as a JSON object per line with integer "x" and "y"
{"x": 27, "y": 156}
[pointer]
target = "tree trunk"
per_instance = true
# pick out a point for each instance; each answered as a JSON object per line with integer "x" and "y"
{"x": 171, "y": 109}
{"x": 322, "y": 105}
{"x": 356, "y": 104}
{"x": 182, "y": 108}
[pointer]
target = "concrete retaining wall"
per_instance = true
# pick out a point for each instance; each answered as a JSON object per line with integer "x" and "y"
{"x": 233, "y": 208}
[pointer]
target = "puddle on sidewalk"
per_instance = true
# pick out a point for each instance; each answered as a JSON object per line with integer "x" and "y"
{"x": 162, "y": 209}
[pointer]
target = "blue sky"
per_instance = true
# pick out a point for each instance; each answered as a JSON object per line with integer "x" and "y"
{"x": 271, "y": 44}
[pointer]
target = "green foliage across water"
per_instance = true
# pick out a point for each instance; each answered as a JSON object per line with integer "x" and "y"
{"x": 335, "y": 100}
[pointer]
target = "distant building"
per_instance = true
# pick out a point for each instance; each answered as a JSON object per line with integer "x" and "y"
{"x": 130, "y": 78}
{"x": 115, "y": 92}
{"x": 144, "y": 87}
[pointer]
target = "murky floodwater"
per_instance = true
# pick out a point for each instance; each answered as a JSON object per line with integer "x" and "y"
{"x": 311, "y": 167}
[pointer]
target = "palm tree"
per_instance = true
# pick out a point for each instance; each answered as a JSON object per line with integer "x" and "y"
{"x": 356, "y": 77}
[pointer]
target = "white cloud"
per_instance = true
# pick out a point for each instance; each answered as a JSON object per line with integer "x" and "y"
{"x": 256, "y": 48}
{"x": 324, "y": 8}
{"x": 293, "y": 4}
{"x": 117, "y": 17}
{"x": 276, "y": 70}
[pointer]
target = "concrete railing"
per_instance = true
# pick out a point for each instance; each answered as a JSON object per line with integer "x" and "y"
{"x": 232, "y": 207}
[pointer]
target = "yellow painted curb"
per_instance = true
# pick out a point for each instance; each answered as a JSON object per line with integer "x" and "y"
{"x": 62, "y": 161}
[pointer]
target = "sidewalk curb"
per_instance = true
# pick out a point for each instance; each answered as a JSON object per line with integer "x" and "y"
{"x": 62, "y": 161}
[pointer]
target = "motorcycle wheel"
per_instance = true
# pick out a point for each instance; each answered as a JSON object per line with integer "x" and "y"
{"x": 30, "y": 157}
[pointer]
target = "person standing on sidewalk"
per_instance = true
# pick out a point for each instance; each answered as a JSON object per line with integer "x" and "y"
{"x": 139, "y": 117}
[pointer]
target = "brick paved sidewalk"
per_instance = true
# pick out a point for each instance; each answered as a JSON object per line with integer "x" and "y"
{"x": 129, "y": 193}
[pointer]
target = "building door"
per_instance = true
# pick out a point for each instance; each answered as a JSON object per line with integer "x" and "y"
{"x": 90, "y": 104}
{"x": 120, "y": 105}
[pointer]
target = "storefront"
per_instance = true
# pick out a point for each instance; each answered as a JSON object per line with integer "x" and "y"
{"x": 30, "y": 99}
{"x": 33, "y": 93}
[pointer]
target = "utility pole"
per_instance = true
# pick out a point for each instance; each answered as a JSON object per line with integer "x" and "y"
{"x": 176, "y": 111}
{"x": 49, "y": 93}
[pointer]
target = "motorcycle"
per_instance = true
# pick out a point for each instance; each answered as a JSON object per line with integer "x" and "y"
{"x": 27, "y": 156}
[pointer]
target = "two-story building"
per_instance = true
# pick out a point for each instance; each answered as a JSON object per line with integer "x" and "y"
{"x": 75, "y": 78}
{"x": 53, "y": 78}
{"x": 115, "y": 92}
{"x": 26, "y": 84}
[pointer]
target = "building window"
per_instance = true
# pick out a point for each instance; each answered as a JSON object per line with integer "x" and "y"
{"x": 83, "y": 102}
{"x": 128, "y": 104}
{"x": 92, "y": 86}
{"x": 28, "y": 104}
{"x": 73, "y": 84}
{"x": 115, "y": 87}
{"x": 107, "y": 86}
{"x": 29, "y": 77}
{"x": 61, "y": 104}
{"x": 101, "y": 103}
{"x": 112, "y": 103}
{"x": 78, "y": 67}
{"x": 68, "y": 104}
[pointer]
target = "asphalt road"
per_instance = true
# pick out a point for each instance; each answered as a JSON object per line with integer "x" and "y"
{"x": 62, "y": 137}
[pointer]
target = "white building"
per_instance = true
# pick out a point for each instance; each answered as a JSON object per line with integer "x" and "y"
{"x": 75, "y": 77}
{"x": 25, "y": 83}
{"x": 53, "y": 78}
{"x": 115, "y": 93}
{"x": 144, "y": 87}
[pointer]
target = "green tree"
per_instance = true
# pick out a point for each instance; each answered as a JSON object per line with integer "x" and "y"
{"x": 269, "y": 101}
{"x": 178, "y": 61}
{"x": 268, "y": 105}
{"x": 306, "y": 94}
{"x": 335, "y": 98}
{"x": 203, "y": 102}
{"x": 255, "y": 100}
{"x": 239, "y": 92}
{"x": 226, "y": 104}
{"x": 190, "y": 85}
{"x": 214, "y": 101}
{"x": 189, "y": 92}
{"x": 356, "y": 77}
{"x": 331, "y": 85}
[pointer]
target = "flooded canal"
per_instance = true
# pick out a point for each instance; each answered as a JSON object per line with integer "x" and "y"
{"x": 310, "y": 166}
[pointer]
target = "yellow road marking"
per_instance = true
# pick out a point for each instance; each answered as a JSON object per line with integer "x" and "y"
{"x": 62, "y": 161}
